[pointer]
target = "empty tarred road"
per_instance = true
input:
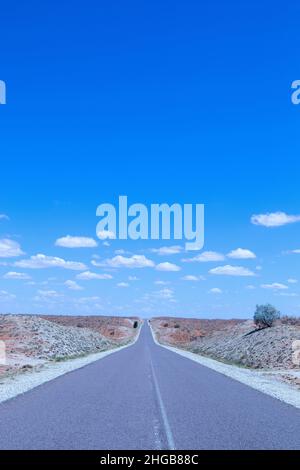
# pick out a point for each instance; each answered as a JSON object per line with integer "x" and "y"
{"x": 146, "y": 397}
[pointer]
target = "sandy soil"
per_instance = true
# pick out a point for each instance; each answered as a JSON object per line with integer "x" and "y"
{"x": 114, "y": 328}
{"x": 32, "y": 341}
{"x": 230, "y": 342}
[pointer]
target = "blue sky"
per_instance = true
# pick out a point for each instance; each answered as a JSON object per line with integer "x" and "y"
{"x": 163, "y": 102}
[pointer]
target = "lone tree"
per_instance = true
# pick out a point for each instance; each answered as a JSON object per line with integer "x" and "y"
{"x": 265, "y": 315}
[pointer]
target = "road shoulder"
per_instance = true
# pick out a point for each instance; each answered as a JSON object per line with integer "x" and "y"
{"x": 10, "y": 387}
{"x": 259, "y": 380}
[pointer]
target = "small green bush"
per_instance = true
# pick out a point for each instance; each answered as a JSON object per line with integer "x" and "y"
{"x": 266, "y": 315}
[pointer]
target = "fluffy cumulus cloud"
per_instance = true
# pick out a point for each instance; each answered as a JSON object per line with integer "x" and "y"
{"x": 120, "y": 252}
{"x": 4, "y": 217}
{"x": 292, "y": 281}
{"x": 215, "y": 290}
{"x": 76, "y": 242}
{"x": 41, "y": 261}
{"x": 206, "y": 257}
{"x": 9, "y": 248}
{"x": 168, "y": 250}
{"x": 72, "y": 285}
{"x": 123, "y": 284}
{"x": 229, "y": 270}
{"x": 274, "y": 286}
{"x": 17, "y": 276}
{"x": 191, "y": 277}
{"x": 135, "y": 261}
{"x": 165, "y": 293}
{"x": 47, "y": 295}
{"x": 241, "y": 253}
{"x": 90, "y": 276}
{"x": 274, "y": 219}
{"x": 106, "y": 235}
{"x": 167, "y": 267}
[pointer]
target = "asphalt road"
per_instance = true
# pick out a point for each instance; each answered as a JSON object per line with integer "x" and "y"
{"x": 146, "y": 397}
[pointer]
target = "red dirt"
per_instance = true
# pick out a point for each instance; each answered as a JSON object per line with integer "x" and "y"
{"x": 180, "y": 331}
{"x": 114, "y": 328}
{"x": 25, "y": 342}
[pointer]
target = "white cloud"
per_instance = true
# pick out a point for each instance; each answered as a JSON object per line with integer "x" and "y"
{"x": 274, "y": 219}
{"x": 106, "y": 234}
{"x": 14, "y": 275}
{"x": 191, "y": 277}
{"x": 241, "y": 253}
{"x": 162, "y": 283}
{"x": 205, "y": 257}
{"x": 120, "y": 252}
{"x": 165, "y": 293}
{"x": 133, "y": 278}
{"x": 76, "y": 242}
{"x": 97, "y": 264}
{"x": 250, "y": 287}
{"x": 232, "y": 271}
{"x": 296, "y": 252}
{"x": 292, "y": 281}
{"x": 288, "y": 294}
{"x": 89, "y": 276}
{"x": 44, "y": 295}
{"x": 123, "y": 284}
{"x": 274, "y": 286}
{"x": 4, "y": 217}
{"x": 9, "y": 248}
{"x": 72, "y": 285}
{"x": 41, "y": 261}
{"x": 135, "y": 261}
{"x": 6, "y": 295}
{"x": 49, "y": 293}
{"x": 167, "y": 267}
{"x": 168, "y": 250}
{"x": 215, "y": 290}
{"x": 91, "y": 299}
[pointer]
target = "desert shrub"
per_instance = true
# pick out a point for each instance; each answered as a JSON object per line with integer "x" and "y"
{"x": 265, "y": 315}
{"x": 176, "y": 325}
{"x": 289, "y": 320}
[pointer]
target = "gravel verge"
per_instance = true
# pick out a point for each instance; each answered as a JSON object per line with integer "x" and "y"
{"x": 13, "y": 386}
{"x": 258, "y": 380}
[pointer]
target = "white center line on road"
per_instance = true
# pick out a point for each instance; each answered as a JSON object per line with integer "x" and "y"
{"x": 167, "y": 428}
